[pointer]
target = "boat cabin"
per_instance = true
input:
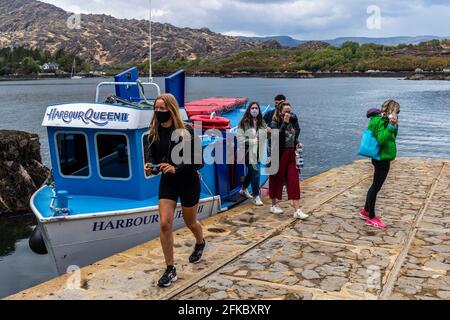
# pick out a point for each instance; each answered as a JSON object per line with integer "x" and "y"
{"x": 99, "y": 149}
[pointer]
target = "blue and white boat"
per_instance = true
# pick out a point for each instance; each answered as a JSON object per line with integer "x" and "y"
{"x": 100, "y": 201}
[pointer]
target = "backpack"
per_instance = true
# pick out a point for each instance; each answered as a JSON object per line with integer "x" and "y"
{"x": 369, "y": 147}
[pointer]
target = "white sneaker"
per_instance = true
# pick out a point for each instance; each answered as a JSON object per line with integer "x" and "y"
{"x": 245, "y": 193}
{"x": 258, "y": 201}
{"x": 276, "y": 209}
{"x": 299, "y": 214}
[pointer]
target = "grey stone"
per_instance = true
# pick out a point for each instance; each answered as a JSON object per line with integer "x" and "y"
{"x": 436, "y": 265}
{"x": 310, "y": 274}
{"x": 441, "y": 248}
{"x": 307, "y": 284}
{"x": 220, "y": 295}
{"x": 333, "y": 283}
{"x": 444, "y": 295}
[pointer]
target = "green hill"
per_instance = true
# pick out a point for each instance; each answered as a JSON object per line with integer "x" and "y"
{"x": 433, "y": 55}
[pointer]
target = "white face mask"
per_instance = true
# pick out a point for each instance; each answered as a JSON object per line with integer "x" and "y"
{"x": 254, "y": 113}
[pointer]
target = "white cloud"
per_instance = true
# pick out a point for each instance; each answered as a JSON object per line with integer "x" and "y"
{"x": 157, "y": 13}
{"x": 305, "y": 19}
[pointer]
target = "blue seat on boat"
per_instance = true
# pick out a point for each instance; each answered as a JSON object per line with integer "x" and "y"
{"x": 128, "y": 92}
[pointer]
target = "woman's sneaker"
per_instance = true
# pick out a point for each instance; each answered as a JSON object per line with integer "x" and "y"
{"x": 245, "y": 193}
{"x": 169, "y": 277}
{"x": 258, "y": 201}
{"x": 364, "y": 214}
{"x": 299, "y": 214}
{"x": 376, "y": 223}
{"x": 196, "y": 256}
{"x": 276, "y": 209}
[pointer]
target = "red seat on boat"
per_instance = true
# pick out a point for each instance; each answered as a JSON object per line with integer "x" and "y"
{"x": 207, "y": 122}
{"x": 210, "y": 105}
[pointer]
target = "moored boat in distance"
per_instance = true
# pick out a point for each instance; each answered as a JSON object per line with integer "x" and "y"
{"x": 73, "y": 72}
{"x": 99, "y": 201}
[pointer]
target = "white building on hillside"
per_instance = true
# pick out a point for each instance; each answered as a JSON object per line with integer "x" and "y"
{"x": 50, "y": 66}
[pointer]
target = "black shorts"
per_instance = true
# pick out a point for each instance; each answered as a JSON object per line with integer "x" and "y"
{"x": 184, "y": 186}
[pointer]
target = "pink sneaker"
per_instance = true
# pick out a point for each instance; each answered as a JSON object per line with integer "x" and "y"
{"x": 376, "y": 223}
{"x": 364, "y": 214}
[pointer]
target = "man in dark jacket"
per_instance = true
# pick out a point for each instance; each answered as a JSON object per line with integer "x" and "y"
{"x": 269, "y": 115}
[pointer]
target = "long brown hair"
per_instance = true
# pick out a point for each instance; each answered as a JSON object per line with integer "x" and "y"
{"x": 390, "y": 106}
{"x": 277, "y": 114}
{"x": 248, "y": 117}
{"x": 172, "y": 105}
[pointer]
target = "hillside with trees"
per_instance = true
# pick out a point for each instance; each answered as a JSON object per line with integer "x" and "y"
{"x": 310, "y": 57}
{"x": 22, "y": 61}
{"x": 433, "y": 55}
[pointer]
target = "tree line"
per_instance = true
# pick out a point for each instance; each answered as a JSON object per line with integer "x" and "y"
{"x": 24, "y": 61}
{"x": 432, "y": 55}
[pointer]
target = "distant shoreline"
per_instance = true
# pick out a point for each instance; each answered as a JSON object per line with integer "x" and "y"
{"x": 40, "y": 77}
{"x": 406, "y": 75}
{"x": 313, "y": 75}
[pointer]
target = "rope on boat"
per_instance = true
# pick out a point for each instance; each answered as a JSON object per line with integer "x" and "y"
{"x": 210, "y": 192}
{"x": 114, "y": 99}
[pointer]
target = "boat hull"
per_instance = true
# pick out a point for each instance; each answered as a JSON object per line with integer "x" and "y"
{"x": 77, "y": 242}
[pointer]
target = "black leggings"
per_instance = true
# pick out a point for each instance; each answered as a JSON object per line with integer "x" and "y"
{"x": 379, "y": 177}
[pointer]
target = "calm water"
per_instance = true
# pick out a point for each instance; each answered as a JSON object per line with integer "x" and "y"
{"x": 332, "y": 115}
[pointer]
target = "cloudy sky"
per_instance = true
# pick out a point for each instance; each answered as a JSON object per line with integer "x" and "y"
{"x": 302, "y": 19}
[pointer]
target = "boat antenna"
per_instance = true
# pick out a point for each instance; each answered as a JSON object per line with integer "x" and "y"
{"x": 150, "y": 74}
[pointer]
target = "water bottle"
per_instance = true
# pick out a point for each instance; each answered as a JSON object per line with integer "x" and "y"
{"x": 299, "y": 158}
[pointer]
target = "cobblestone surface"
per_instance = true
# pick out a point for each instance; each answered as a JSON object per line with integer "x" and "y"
{"x": 426, "y": 271}
{"x": 253, "y": 254}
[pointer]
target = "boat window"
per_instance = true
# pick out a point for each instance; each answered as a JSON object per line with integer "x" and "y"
{"x": 73, "y": 154}
{"x": 112, "y": 151}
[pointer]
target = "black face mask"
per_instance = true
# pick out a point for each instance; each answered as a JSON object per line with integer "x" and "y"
{"x": 162, "y": 117}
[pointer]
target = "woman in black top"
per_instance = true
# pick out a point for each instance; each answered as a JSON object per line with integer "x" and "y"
{"x": 179, "y": 180}
{"x": 289, "y": 132}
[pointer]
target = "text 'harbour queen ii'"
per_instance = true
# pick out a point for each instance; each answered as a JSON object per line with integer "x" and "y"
{"x": 89, "y": 116}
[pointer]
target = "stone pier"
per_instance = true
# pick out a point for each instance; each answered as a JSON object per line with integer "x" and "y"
{"x": 253, "y": 254}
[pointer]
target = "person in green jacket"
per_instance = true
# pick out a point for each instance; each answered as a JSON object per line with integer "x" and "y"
{"x": 249, "y": 135}
{"x": 384, "y": 128}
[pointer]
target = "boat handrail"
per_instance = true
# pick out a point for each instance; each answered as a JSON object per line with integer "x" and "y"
{"x": 267, "y": 108}
{"x": 101, "y": 84}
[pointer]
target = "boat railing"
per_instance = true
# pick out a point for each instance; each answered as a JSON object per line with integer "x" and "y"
{"x": 102, "y": 84}
{"x": 267, "y": 108}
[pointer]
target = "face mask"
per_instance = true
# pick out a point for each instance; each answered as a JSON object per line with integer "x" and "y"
{"x": 254, "y": 113}
{"x": 162, "y": 117}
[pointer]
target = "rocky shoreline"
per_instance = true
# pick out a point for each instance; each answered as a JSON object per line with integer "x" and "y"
{"x": 39, "y": 77}
{"x": 406, "y": 75}
{"x": 305, "y": 75}
{"x": 21, "y": 170}
{"x": 271, "y": 75}
{"x": 430, "y": 76}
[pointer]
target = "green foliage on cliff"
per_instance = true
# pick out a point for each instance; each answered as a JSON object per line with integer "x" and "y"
{"x": 28, "y": 61}
{"x": 351, "y": 57}
{"x": 432, "y": 55}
